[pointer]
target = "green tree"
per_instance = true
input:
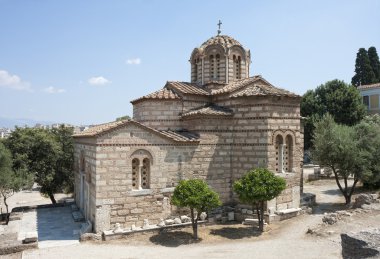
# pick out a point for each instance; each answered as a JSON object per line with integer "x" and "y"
{"x": 256, "y": 187}
{"x": 364, "y": 74}
{"x": 336, "y": 146}
{"x": 368, "y": 137}
{"x": 64, "y": 166}
{"x": 341, "y": 100}
{"x": 375, "y": 63}
{"x": 10, "y": 181}
{"x": 125, "y": 117}
{"x": 45, "y": 154}
{"x": 197, "y": 196}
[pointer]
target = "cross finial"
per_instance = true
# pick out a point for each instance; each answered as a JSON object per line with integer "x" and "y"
{"x": 219, "y": 24}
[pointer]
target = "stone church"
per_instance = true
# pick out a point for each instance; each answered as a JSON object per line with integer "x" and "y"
{"x": 215, "y": 127}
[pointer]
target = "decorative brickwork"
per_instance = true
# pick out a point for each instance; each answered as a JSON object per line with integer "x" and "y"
{"x": 216, "y": 128}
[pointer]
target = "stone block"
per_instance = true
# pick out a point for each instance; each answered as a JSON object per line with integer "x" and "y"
{"x": 30, "y": 237}
{"x": 169, "y": 222}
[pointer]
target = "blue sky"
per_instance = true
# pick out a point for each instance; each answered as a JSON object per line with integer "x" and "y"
{"x": 82, "y": 62}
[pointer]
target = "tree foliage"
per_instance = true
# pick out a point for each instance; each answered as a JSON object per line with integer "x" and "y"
{"x": 196, "y": 195}
{"x": 10, "y": 181}
{"x": 341, "y": 100}
{"x": 336, "y": 146}
{"x": 256, "y": 187}
{"x": 125, "y": 117}
{"x": 367, "y": 133}
{"x": 45, "y": 154}
{"x": 375, "y": 63}
{"x": 364, "y": 73}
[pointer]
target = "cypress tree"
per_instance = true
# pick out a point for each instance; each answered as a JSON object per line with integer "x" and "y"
{"x": 364, "y": 74}
{"x": 375, "y": 63}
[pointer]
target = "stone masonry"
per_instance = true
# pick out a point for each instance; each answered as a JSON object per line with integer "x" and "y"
{"x": 216, "y": 128}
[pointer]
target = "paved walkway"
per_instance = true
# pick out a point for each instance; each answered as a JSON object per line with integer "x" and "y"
{"x": 56, "y": 227}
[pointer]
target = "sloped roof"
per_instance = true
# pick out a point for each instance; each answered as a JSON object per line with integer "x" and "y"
{"x": 98, "y": 130}
{"x": 186, "y": 88}
{"x": 260, "y": 89}
{"x": 362, "y": 87}
{"x": 163, "y": 94}
{"x": 211, "y": 110}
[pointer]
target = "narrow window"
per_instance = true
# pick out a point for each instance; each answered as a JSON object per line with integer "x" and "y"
{"x": 279, "y": 146}
{"x": 238, "y": 67}
{"x": 288, "y": 156}
{"x": 217, "y": 74}
{"x": 212, "y": 68}
{"x": 145, "y": 174}
{"x": 135, "y": 173}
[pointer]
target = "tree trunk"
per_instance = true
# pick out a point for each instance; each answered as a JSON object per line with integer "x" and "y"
{"x": 6, "y": 206}
{"x": 261, "y": 221}
{"x": 348, "y": 199}
{"x": 51, "y": 196}
{"x": 194, "y": 223}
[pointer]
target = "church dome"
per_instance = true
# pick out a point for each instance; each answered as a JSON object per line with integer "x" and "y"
{"x": 219, "y": 60}
{"x": 222, "y": 40}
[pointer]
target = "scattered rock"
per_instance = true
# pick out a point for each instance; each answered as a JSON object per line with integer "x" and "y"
{"x": 169, "y": 222}
{"x": 90, "y": 237}
{"x": 330, "y": 218}
{"x": 177, "y": 221}
{"x": 117, "y": 228}
{"x": 249, "y": 212}
{"x": 162, "y": 223}
{"x": 362, "y": 199}
{"x": 231, "y": 216}
{"x": 203, "y": 216}
{"x": 244, "y": 211}
{"x": 185, "y": 219}
{"x": 363, "y": 244}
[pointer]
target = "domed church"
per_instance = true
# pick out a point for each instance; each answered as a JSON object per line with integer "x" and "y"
{"x": 216, "y": 127}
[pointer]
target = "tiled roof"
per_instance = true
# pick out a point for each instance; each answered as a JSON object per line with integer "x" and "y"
{"x": 223, "y": 40}
{"x": 377, "y": 85}
{"x": 178, "y": 136}
{"x": 163, "y": 94}
{"x": 181, "y": 135}
{"x": 252, "y": 87}
{"x": 186, "y": 88}
{"x": 212, "y": 110}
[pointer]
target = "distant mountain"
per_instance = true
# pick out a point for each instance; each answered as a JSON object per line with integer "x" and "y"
{"x": 11, "y": 123}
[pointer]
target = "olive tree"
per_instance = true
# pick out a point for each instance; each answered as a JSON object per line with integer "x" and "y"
{"x": 197, "y": 196}
{"x": 256, "y": 187}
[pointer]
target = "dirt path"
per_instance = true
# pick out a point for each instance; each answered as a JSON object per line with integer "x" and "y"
{"x": 286, "y": 240}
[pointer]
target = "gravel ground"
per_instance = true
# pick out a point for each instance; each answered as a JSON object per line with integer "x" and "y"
{"x": 287, "y": 239}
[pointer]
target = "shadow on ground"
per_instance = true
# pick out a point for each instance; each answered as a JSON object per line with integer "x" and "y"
{"x": 322, "y": 207}
{"x": 236, "y": 233}
{"x": 173, "y": 239}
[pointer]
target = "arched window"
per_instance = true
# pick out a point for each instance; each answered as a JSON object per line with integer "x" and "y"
{"x": 145, "y": 174}
{"x": 135, "y": 173}
{"x": 212, "y": 67}
{"x": 217, "y": 72}
{"x": 279, "y": 145}
{"x": 237, "y": 67}
{"x": 141, "y": 161}
{"x": 288, "y": 156}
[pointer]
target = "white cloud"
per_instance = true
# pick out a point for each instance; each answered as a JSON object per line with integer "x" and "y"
{"x": 133, "y": 61}
{"x": 53, "y": 90}
{"x": 98, "y": 80}
{"x": 13, "y": 82}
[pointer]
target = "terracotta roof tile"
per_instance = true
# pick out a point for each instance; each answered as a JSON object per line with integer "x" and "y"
{"x": 212, "y": 110}
{"x": 377, "y": 85}
{"x": 178, "y": 136}
{"x": 187, "y": 88}
{"x": 163, "y": 94}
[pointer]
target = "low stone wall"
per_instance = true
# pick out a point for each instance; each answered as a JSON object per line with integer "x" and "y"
{"x": 15, "y": 246}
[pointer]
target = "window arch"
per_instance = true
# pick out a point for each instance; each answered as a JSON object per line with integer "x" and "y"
{"x": 237, "y": 66}
{"x": 288, "y": 156}
{"x": 141, "y": 169}
{"x": 82, "y": 162}
{"x": 279, "y": 145}
{"x": 217, "y": 71}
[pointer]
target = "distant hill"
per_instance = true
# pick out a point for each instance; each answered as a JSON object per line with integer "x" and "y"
{"x": 11, "y": 123}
